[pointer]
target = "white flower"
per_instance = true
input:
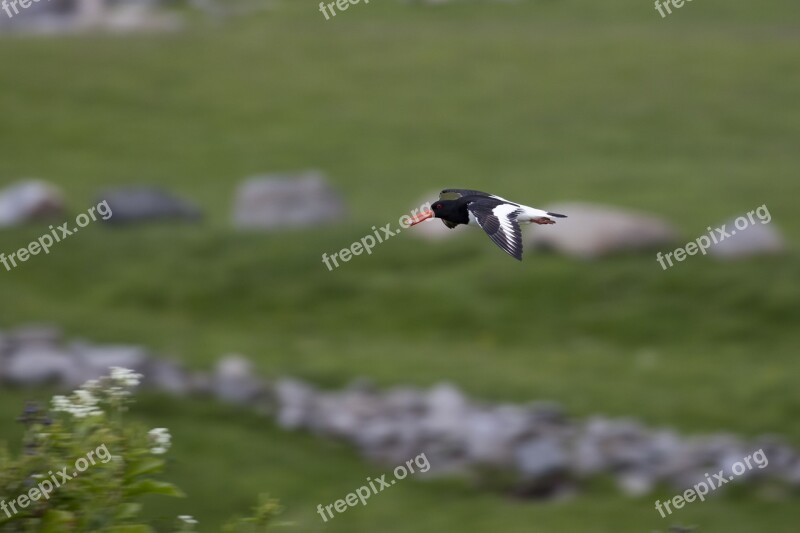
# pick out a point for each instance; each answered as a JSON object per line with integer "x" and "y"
{"x": 187, "y": 519}
{"x": 118, "y": 392}
{"x": 61, "y": 404}
{"x": 86, "y": 397}
{"x": 128, "y": 378}
{"x": 82, "y": 404}
{"x": 162, "y": 440}
{"x": 87, "y": 404}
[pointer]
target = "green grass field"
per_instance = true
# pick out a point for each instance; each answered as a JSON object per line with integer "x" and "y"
{"x": 693, "y": 117}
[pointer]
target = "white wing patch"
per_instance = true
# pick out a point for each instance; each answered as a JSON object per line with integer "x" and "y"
{"x": 500, "y": 224}
{"x": 504, "y": 213}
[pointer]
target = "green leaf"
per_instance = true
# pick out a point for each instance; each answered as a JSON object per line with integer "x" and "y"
{"x": 127, "y": 511}
{"x": 146, "y": 465}
{"x": 149, "y": 486}
{"x": 55, "y": 521}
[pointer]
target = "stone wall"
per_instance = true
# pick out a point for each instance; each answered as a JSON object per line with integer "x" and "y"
{"x": 537, "y": 448}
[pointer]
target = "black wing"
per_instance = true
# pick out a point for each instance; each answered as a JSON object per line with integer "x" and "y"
{"x": 455, "y": 194}
{"x": 499, "y": 221}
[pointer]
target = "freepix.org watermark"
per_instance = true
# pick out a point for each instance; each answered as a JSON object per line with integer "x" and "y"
{"x": 368, "y": 242}
{"x": 701, "y": 489}
{"x": 665, "y": 4}
{"x": 715, "y": 236}
{"x": 9, "y": 5}
{"x": 343, "y": 5}
{"x": 374, "y": 486}
{"x": 56, "y": 235}
{"x": 46, "y": 487}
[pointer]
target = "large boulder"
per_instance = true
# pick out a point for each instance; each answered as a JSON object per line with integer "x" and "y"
{"x": 281, "y": 201}
{"x": 755, "y": 239}
{"x": 28, "y": 201}
{"x": 39, "y": 16}
{"x": 136, "y": 204}
{"x": 70, "y": 16}
{"x": 593, "y": 231}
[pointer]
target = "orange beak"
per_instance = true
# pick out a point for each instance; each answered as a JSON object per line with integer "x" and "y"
{"x": 425, "y": 215}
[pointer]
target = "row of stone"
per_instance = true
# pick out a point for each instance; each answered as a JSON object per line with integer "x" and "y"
{"x": 266, "y": 202}
{"x": 308, "y": 200}
{"x": 536, "y": 447}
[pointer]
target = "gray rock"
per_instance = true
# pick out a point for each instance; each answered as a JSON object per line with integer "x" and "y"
{"x": 753, "y": 240}
{"x": 280, "y": 201}
{"x": 709, "y": 450}
{"x": 168, "y": 376}
{"x": 591, "y": 231}
{"x": 378, "y": 436}
{"x": 668, "y": 453}
{"x": 622, "y": 446}
{"x": 342, "y": 414}
{"x": 628, "y": 445}
{"x": 234, "y": 380}
{"x": 38, "y": 9}
{"x": 549, "y": 413}
{"x": 403, "y": 401}
{"x": 543, "y": 466}
{"x": 390, "y": 441}
{"x": 446, "y": 413}
{"x": 588, "y": 457}
{"x": 296, "y": 402}
{"x": 138, "y": 15}
{"x": 70, "y": 16}
{"x": 491, "y": 434}
{"x": 771, "y": 455}
{"x": 448, "y": 456}
{"x": 590, "y": 454}
{"x": 30, "y": 200}
{"x": 137, "y": 204}
{"x": 34, "y": 366}
{"x": 791, "y": 474}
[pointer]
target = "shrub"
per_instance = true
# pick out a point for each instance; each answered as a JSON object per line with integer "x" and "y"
{"x": 84, "y": 466}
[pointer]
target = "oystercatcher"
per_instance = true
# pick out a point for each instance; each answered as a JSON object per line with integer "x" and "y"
{"x": 498, "y": 217}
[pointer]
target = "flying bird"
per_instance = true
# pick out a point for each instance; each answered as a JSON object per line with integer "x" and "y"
{"x": 498, "y": 217}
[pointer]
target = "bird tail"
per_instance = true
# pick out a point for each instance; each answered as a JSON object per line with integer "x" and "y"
{"x": 531, "y": 215}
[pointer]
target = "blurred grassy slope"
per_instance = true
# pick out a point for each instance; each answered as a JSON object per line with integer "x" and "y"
{"x": 694, "y": 117}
